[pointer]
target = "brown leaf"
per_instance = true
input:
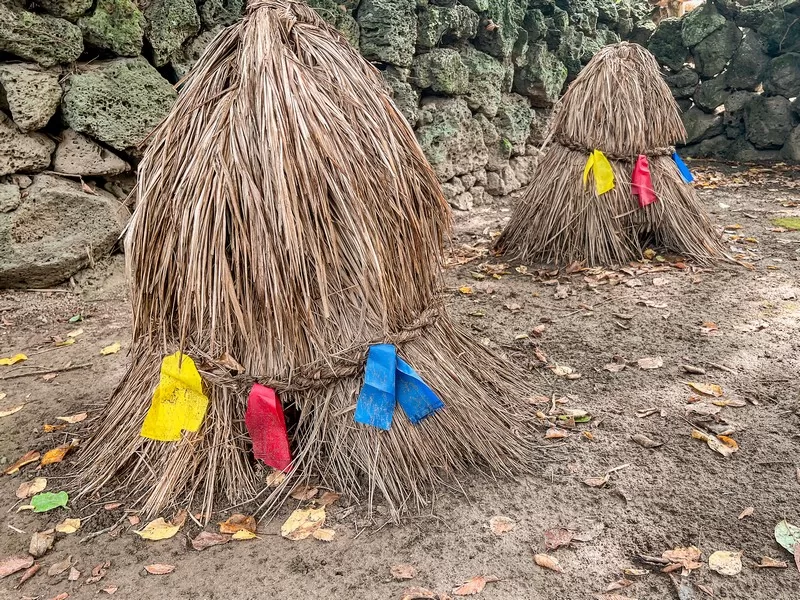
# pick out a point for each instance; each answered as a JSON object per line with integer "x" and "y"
{"x": 26, "y": 459}
{"x": 61, "y": 596}
{"x": 112, "y": 506}
{"x": 620, "y": 584}
{"x": 538, "y": 330}
{"x": 556, "y": 433}
{"x": 41, "y": 542}
{"x": 51, "y": 428}
{"x": 705, "y": 589}
{"x": 11, "y": 411}
{"x": 707, "y": 389}
{"x": 323, "y": 535}
{"x": 474, "y": 586}
{"x": 304, "y": 492}
{"x": 746, "y": 512}
{"x": 230, "y": 363}
{"x": 615, "y": 367}
{"x": 418, "y": 593}
{"x": 238, "y": 522}
{"x": 74, "y": 418}
{"x": 159, "y": 569}
{"x": 772, "y": 563}
{"x": 74, "y": 574}
{"x": 56, "y": 455}
{"x": 112, "y": 589}
{"x": 328, "y": 498}
{"x": 597, "y": 481}
{"x": 179, "y": 520}
{"x": 13, "y": 564}
{"x": 275, "y": 478}
{"x": 29, "y": 572}
{"x": 98, "y": 572}
{"x": 206, "y": 539}
{"x": 59, "y": 567}
{"x": 134, "y": 520}
{"x": 500, "y": 525}
{"x": 548, "y": 562}
{"x": 645, "y": 441}
{"x": 555, "y": 538}
{"x": 650, "y": 362}
{"x": 403, "y": 571}
{"x": 31, "y": 488}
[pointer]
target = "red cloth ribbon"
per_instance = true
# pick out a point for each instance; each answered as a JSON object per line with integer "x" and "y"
{"x": 267, "y": 428}
{"x": 641, "y": 184}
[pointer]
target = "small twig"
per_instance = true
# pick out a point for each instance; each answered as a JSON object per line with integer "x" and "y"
{"x": 45, "y": 372}
{"x": 12, "y": 528}
{"x": 48, "y": 291}
{"x": 619, "y": 468}
{"x": 91, "y": 536}
{"x": 723, "y": 368}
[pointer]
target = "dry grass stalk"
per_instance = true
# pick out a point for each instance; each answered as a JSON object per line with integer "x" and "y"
{"x": 619, "y": 104}
{"x": 287, "y": 216}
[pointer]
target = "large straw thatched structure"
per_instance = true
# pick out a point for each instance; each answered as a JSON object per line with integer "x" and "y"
{"x": 619, "y": 105}
{"x": 287, "y": 219}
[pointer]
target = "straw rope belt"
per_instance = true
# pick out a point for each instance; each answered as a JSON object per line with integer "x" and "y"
{"x": 347, "y": 363}
{"x": 580, "y": 148}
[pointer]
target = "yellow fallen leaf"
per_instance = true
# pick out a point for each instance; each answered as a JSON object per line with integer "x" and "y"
{"x": 68, "y": 526}
{"x": 243, "y": 534}
{"x": 11, "y": 411}
{"x": 66, "y": 342}
{"x": 28, "y": 458}
{"x": 708, "y": 389}
{"x": 548, "y": 562}
{"x": 74, "y": 418}
{"x": 726, "y": 448}
{"x": 178, "y": 402}
{"x": 238, "y": 523}
{"x": 13, "y": 360}
{"x": 325, "y": 535}
{"x": 302, "y": 523}
{"x": 51, "y": 428}
{"x": 112, "y": 349}
{"x": 31, "y": 488}
{"x": 465, "y": 289}
{"x": 158, "y": 530}
{"x": 56, "y": 455}
{"x": 726, "y": 563}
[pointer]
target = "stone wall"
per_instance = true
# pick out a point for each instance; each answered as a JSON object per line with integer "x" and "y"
{"x": 734, "y": 68}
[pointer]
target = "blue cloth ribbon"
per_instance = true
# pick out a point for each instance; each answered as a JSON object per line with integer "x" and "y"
{"x": 389, "y": 380}
{"x": 686, "y": 174}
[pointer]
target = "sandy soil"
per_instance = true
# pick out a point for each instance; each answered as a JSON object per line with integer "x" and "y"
{"x": 679, "y": 494}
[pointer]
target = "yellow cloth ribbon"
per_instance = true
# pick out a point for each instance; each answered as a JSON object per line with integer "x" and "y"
{"x": 601, "y": 169}
{"x": 178, "y": 401}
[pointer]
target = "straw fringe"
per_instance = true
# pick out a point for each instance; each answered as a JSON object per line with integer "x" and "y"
{"x": 285, "y": 215}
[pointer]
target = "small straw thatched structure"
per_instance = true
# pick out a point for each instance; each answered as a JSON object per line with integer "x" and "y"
{"x": 287, "y": 218}
{"x": 620, "y": 105}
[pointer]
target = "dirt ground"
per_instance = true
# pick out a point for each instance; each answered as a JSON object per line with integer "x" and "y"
{"x": 741, "y": 325}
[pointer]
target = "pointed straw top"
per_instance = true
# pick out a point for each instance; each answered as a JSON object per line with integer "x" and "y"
{"x": 619, "y": 104}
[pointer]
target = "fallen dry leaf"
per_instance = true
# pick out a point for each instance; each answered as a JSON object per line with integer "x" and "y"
{"x": 304, "y": 492}
{"x": 465, "y": 289}
{"x": 650, "y": 362}
{"x": 403, "y": 571}
{"x": 474, "y": 586}
{"x": 772, "y": 563}
{"x": 14, "y": 564}
{"x": 158, "y": 530}
{"x": 418, "y": 593}
{"x": 500, "y": 525}
{"x": 716, "y": 443}
{"x": 11, "y": 411}
{"x": 707, "y": 389}
{"x": 230, "y": 363}
{"x": 31, "y": 488}
{"x": 323, "y": 535}
{"x": 26, "y": 459}
{"x": 620, "y": 584}
{"x": 746, "y": 512}
{"x": 645, "y": 441}
{"x": 41, "y": 542}
{"x": 555, "y": 538}
{"x": 159, "y": 569}
{"x": 328, "y": 498}
{"x": 630, "y": 572}
{"x": 238, "y": 522}
{"x": 206, "y": 539}
{"x": 61, "y": 596}
{"x": 275, "y": 478}
{"x": 29, "y": 572}
{"x": 597, "y": 481}
{"x": 112, "y": 506}
{"x": 74, "y": 418}
{"x": 302, "y": 523}
{"x": 548, "y": 562}
{"x": 74, "y": 574}
{"x": 112, "y": 589}
{"x": 51, "y": 428}
{"x": 112, "y": 349}
{"x": 68, "y": 526}
{"x": 725, "y": 563}
{"x": 556, "y": 433}
{"x": 98, "y": 572}
{"x": 56, "y": 455}
{"x": 615, "y": 367}
{"x": 59, "y": 567}
{"x": 244, "y": 534}
{"x": 682, "y": 557}
{"x": 7, "y": 362}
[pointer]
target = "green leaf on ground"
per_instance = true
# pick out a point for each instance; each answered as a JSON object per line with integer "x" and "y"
{"x": 48, "y": 501}
{"x": 787, "y": 535}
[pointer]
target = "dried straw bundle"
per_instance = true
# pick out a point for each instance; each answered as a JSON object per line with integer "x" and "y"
{"x": 620, "y": 105}
{"x": 287, "y": 217}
